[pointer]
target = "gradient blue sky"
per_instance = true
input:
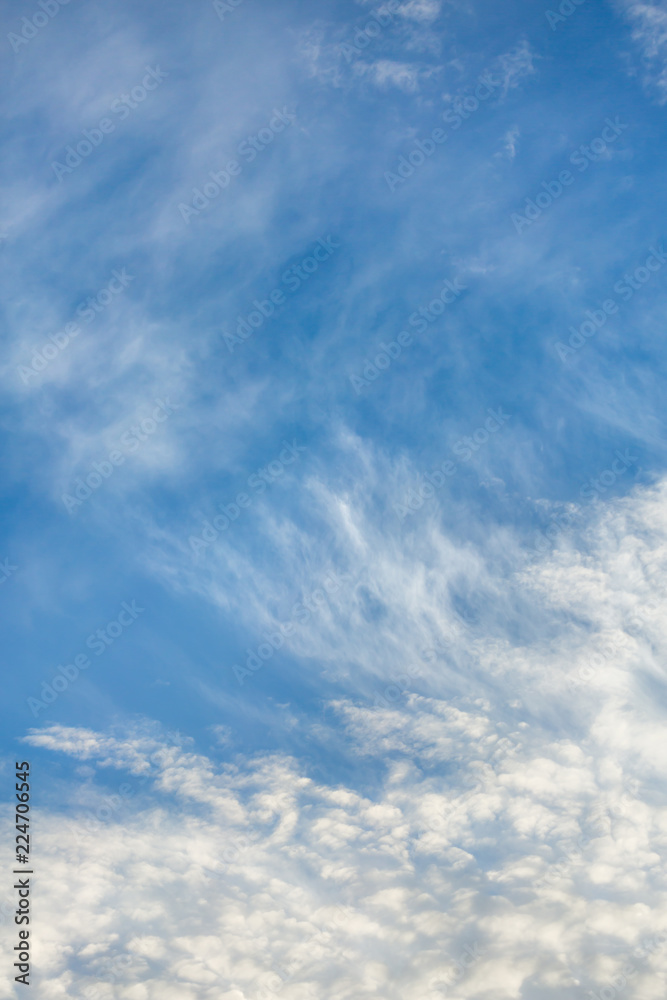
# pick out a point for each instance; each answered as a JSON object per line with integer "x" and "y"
{"x": 465, "y": 607}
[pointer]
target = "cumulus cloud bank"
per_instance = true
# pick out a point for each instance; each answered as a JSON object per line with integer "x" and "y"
{"x": 496, "y": 854}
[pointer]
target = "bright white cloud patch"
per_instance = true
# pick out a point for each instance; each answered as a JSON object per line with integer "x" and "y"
{"x": 529, "y": 855}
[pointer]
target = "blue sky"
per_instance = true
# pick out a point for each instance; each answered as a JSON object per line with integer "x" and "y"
{"x": 457, "y": 619}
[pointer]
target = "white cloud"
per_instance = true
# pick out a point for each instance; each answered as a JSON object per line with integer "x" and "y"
{"x": 515, "y": 816}
{"x": 421, "y": 10}
{"x": 386, "y": 71}
{"x": 649, "y": 31}
{"x": 516, "y": 64}
{"x": 510, "y": 143}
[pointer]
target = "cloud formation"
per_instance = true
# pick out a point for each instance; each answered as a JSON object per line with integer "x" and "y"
{"x": 529, "y": 855}
{"x": 393, "y": 721}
